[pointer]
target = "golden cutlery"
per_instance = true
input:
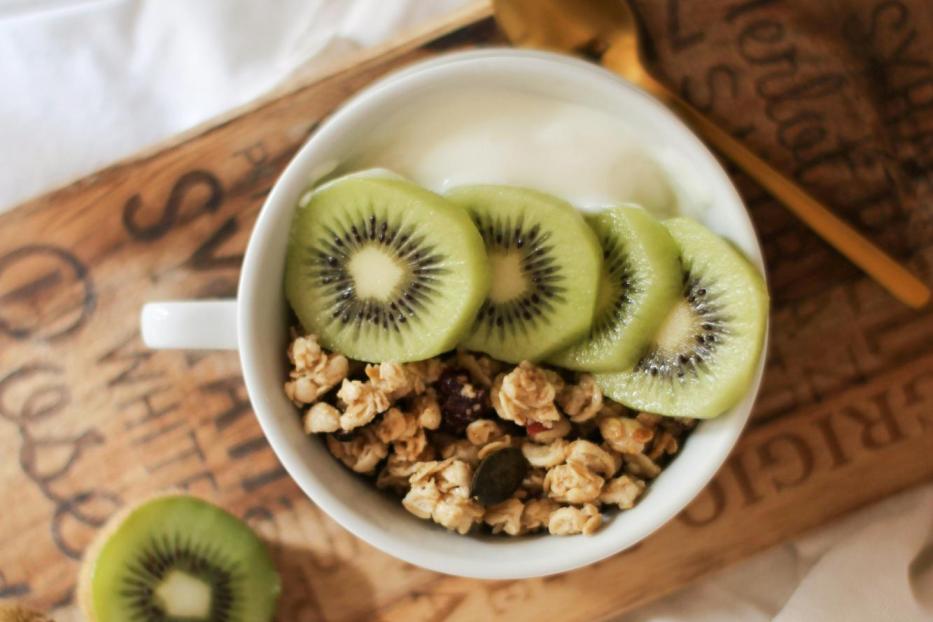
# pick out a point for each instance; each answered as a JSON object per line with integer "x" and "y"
{"x": 609, "y": 28}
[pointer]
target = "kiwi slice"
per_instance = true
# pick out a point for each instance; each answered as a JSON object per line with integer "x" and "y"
{"x": 639, "y": 283}
{"x": 544, "y": 262}
{"x": 176, "y": 557}
{"x": 702, "y": 359}
{"x": 383, "y": 270}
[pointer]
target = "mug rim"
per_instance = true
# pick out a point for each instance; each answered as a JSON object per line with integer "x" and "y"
{"x": 260, "y": 245}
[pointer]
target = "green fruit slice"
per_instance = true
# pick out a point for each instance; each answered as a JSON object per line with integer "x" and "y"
{"x": 544, "y": 262}
{"x": 177, "y": 557}
{"x": 383, "y": 270}
{"x": 702, "y": 359}
{"x": 639, "y": 284}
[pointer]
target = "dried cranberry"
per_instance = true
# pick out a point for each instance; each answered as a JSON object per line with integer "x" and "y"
{"x": 535, "y": 427}
{"x": 451, "y": 381}
{"x": 460, "y": 400}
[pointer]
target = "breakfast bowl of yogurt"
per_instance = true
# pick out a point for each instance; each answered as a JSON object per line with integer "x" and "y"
{"x": 518, "y": 301}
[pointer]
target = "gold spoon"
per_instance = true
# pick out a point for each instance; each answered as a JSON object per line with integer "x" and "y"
{"x": 609, "y": 27}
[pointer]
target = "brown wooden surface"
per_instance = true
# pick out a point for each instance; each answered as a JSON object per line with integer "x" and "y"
{"x": 839, "y": 94}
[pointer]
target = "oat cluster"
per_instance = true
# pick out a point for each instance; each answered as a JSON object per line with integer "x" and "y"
{"x": 422, "y": 429}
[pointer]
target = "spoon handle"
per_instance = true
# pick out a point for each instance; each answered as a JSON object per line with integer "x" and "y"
{"x": 857, "y": 248}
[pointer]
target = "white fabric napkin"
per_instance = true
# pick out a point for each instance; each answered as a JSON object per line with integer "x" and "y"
{"x": 86, "y": 82}
{"x": 874, "y": 565}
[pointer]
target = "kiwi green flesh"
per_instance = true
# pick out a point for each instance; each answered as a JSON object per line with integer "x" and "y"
{"x": 703, "y": 358}
{"x": 640, "y": 283}
{"x": 544, "y": 262}
{"x": 181, "y": 558}
{"x": 383, "y": 270}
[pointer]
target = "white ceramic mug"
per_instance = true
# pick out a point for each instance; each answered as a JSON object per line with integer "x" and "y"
{"x": 255, "y": 323}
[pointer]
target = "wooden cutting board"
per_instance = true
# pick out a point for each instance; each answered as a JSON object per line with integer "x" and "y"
{"x": 90, "y": 419}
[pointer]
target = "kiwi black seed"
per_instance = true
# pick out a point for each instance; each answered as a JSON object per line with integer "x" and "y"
{"x": 639, "y": 285}
{"x": 328, "y": 264}
{"x": 711, "y": 327}
{"x": 620, "y": 270}
{"x": 539, "y": 265}
{"x": 544, "y": 262}
{"x": 382, "y": 270}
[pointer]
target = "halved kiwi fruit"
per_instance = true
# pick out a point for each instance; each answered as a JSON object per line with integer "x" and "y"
{"x": 383, "y": 270}
{"x": 176, "y": 557}
{"x": 544, "y": 262}
{"x": 702, "y": 359}
{"x": 639, "y": 284}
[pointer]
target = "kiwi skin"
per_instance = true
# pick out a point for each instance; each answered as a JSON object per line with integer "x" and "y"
{"x": 15, "y": 613}
{"x": 743, "y": 303}
{"x": 643, "y": 251}
{"x": 89, "y": 560}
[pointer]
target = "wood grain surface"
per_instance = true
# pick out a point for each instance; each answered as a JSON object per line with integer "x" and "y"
{"x": 838, "y": 94}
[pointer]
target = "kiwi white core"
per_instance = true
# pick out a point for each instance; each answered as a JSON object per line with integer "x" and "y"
{"x": 509, "y": 280}
{"x": 678, "y": 329}
{"x": 375, "y": 273}
{"x": 181, "y": 595}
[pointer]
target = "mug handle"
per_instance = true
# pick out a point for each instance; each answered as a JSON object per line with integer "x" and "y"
{"x": 190, "y": 325}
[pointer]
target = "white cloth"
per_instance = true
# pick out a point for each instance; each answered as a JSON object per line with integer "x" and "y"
{"x": 87, "y": 82}
{"x": 874, "y": 565}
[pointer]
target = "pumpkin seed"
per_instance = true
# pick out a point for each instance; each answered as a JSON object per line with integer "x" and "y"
{"x": 499, "y": 475}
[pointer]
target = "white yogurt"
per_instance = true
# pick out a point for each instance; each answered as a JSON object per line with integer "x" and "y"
{"x": 589, "y": 157}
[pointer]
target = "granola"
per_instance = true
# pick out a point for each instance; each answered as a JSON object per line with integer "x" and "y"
{"x": 537, "y": 514}
{"x": 573, "y": 482}
{"x": 404, "y": 432}
{"x": 526, "y": 395}
{"x": 622, "y": 491}
{"x": 581, "y": 401}
{"x": 560, "y": 429}
{"x": 461, "y": 449}
{"x": 397, "y": 471}
{"x": 314, "y": 372}
{"x": 483, "y": 431}
{"x": 361, "y": 402}
{"x": 422, "y": 429}
{"x": 569, "y": 520}
{"x": 506, "y": 517}
{"x": 398, "y": 380}
{"x": 625, "y": 434}
{"x": 322, "y": 418}
{"x": 441, "y": 491}
{"x": 362, "y": 453}
{"x": 545, "y": 456}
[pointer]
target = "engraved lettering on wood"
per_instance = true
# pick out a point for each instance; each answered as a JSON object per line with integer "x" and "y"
{"x": 90, "y": 418}
{"x": 45, "y": 293}
{"x": 147, "y": 228}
